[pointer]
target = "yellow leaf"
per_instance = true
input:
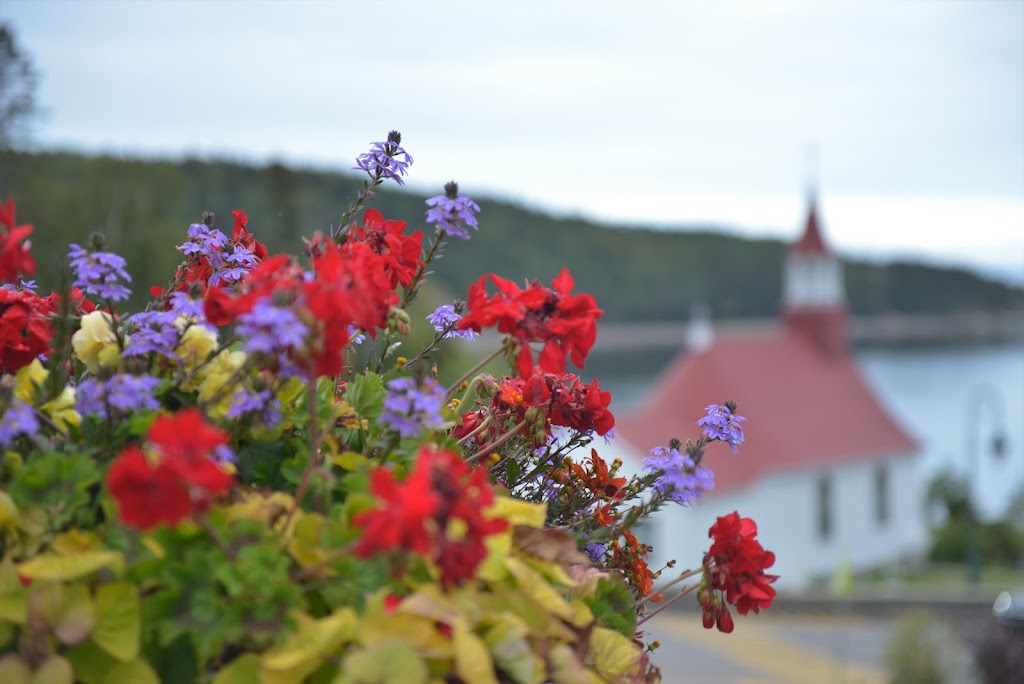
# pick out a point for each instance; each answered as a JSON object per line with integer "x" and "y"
{"x": 8, "y": 513}
{"x": 304, "y": 651}
{"x": 13, "y": 596}
{"x": 64, "y": 568}
{"x": 472, "y": 659}
{"x": 54, "y": 670}
{"x": 75, "y": 541}
{"x": 518, "y": 512}
{"x": 14, "y": 670}
{"x": 118, "y": 621}
{"x": 511, "y": 650}
{"x": 549, "y": 544}
{"x": 389, "y": 662}
{"x": 538, "y": 589}
{"x": 77, "y": 616}
{"x": 492, "y": 569}
{"x": 349, "y": 460}
{"x": 418, "y": 632}
{"x": 614, "y": 655}
{"x": 134, "y": 672}
{"x": 566, "y": 667}
{"x": 242, "y": 670}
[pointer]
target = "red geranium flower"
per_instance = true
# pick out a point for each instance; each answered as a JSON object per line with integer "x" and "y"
{"x": 736, "y": 562}
{"x": 565, "y": 322}
{"x": 401, "y": 253}
{"x": 243, "y": 238}
{"x": 183, "y": 478}
{"x": 15, "y": 258}
{"x": 25, "y": 328}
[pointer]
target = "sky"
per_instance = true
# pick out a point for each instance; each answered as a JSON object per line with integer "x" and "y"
{"x": 907, "y": 116}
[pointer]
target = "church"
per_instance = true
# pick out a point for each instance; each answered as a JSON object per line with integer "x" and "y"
{"x": 828, "y": 474}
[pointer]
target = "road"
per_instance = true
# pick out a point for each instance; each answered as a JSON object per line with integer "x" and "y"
{"x": 767, "y": 649}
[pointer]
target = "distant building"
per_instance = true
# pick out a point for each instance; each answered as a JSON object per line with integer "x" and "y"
{"x": 827, "y": 473}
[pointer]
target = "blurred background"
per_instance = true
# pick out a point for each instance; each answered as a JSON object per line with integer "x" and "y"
{"x": 667, "y": 153}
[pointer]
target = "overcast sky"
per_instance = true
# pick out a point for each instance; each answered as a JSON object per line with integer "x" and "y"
{"x": 661, "y": 112}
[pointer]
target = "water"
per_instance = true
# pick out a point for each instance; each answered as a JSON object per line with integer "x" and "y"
{"x": 931, "y": 391}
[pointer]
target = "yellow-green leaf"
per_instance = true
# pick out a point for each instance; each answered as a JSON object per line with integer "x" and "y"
{"x": 418, "y": 632}
{"x": 389, "y": 662}
{"x": 134, "y": 672}
{"x": 613, "y": 654}
{"x": 566, "y": 668}
{"x": 349, "y": 460}
{"x": 53, "y": 670}
{"x": 77, "y": 617}
{"x": 118, "y": 621}
{"x": 75, "y": 541}
{"x": 14, "y": 670}
{"x": 242, "y": 670}
{"x": 537, "y": 588}
{"x": 51, "y": 566}
{"x": 304, "y": 650}
{"x": 518, "y": 512}
{"x": 472, "y": 659}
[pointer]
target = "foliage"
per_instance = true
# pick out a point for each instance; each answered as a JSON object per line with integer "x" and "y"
{"x": 140, "y": 205}
{"x": 924, "y": 650}
{"x": 245, "y": 481}
{"x": 18, "y": 81}
{"x": 999, "y": 542}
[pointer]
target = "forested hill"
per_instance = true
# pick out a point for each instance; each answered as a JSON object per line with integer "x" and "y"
{"x": 144, "y": 207}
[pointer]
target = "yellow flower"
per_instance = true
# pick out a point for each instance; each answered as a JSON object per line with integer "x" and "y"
{"x": 95, "y": 342}
{"x": 214, "y": 390}
{"x": 196, "y": 344}
{"x": 60, "y": 409}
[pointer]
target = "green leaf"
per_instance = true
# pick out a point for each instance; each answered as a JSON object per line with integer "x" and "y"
{"x": 389, "y": 662}
{"x": 305, "y": 650}
{"x": 77, "y": 616}
{"x": 57, "y": 483}
{"x": 118, "y": 622}
{"x": 365, "y": 394}
{"x": 133, "y": 672}
{"x": 242, "y": 670}
{"x": 615, "y": 655}
{"x": 52, "y": 566}
{"x": 90, "y": 662}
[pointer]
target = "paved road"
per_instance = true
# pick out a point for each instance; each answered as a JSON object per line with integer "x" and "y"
{"x": 767, "y": 649}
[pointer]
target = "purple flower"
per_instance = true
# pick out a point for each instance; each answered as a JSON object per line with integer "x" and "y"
{"x": 262, "y": 405}
{"x": 204, "y": 241}
{"x": 101, "y": 274}
{"x": 271, "y": 330}
{"x": 17, "y": 419}
{"x": 681, "y": 478}
{"x": 153, "y": 332}
{"x": 382, "y": 162}
{"x": 450, "y": 210}
{"x": 444, "y": 319}
{"x": 722, "y": 424}
{"x": 596, "y": 551}
{"x": 119, "y": 395}
{"x": 232, "y": 267}
{"x": 356, "y": 337}
{"x": 408, "y": 408}
{"x": 183, "y": 305}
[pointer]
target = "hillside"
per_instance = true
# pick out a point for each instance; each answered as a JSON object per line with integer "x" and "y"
{"x": 144, "y": 207}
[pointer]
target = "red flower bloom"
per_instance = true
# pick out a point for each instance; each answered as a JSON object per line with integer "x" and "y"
{"x": 243, "y": 238}
{"x": 566, "y": 323}
{"x": 736, "y": 562}
{"x": 399, "y": 523}
{"x": 401, "y": 253}
{"x": 146, "y": 495}
{"x": 598, "y": 479}
{"x": 437, "y": 512}
{"x": 15, "y": 258}
{"x": 183, "y": 480}
{"x": 25, "y": 329}
{"x": 630, "y": 556}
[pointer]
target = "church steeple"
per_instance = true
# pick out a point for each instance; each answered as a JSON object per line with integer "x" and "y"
{"x": 813, "y": 301}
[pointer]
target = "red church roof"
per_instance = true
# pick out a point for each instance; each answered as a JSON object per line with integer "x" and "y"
{"x": 811, "y": 242}
{"x": 803, "y": 408}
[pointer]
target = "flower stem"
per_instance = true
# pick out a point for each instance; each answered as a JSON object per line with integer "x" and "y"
{"x": 684, "y": 592}
{"x": 473, "y": 371}
{"x": 683, "y": 577}
{"x": 314, "y": 448}
{"x": 497, "y": 443}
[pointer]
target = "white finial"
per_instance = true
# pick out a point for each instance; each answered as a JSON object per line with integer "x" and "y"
{"x": 811, "y": 162}
{"x": 699, "y": 333}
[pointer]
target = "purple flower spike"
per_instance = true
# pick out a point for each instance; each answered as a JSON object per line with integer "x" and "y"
{"x": 382, "y": 161}
{"x": 450, "y": 210}
{"x": 118, "y": 396}
{"x": 723, "y": 425}
{"x": 101, "y": 274}
{"x": 681, "y": 478}
{"x": 409, "y": 409}
{"x": 444, "y": 319}
{"x": 18, "y": 419}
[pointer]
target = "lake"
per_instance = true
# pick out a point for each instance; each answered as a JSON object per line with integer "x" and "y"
{"x": 932, "y": 391}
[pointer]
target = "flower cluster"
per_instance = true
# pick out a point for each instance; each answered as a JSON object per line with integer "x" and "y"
{"x": 179, "y": 476}
{"x": 734, "y": 572}
{"x": 225, "y": 487}
{"x": 564, "y": 322}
